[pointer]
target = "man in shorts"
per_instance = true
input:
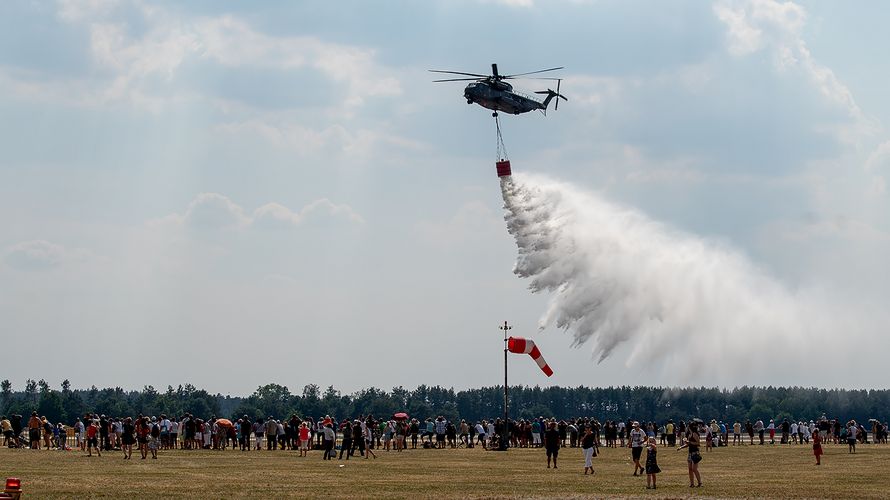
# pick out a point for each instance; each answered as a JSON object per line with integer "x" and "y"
{"x": 551, "y": 443}
{"x": 636, "y": 439}
{"x": 440, "y": 431}
{"x": 6, "y": 426}
{"x": 34, "y": 424}
{"x": 93, "y": 438}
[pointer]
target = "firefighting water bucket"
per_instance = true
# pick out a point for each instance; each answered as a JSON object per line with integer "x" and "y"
{"x": 503, "y": 168}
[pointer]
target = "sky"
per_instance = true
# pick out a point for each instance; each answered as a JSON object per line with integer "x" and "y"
{"x": 230, "y": 194}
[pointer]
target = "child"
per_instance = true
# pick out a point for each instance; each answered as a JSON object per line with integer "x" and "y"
{"x": 92, "y": 438}
{"x": 817, "y": 446}
{"x": 651, "y": 464}
{"x": 304, "y": 439}
{"x": 62, "y": 440}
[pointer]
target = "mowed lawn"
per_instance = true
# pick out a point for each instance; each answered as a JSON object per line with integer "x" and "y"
{"x": 744, "y": 471}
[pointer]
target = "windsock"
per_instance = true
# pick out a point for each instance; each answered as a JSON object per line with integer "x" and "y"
{"x": 526, "y": 346}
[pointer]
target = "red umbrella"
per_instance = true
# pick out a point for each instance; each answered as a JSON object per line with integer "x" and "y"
{"x": 400, "y": 416}
{"x": 224, "y": 422}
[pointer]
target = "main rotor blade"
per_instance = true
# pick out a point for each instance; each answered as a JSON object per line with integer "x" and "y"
{"x": 534, "y": 72}
{"x": 457, "y": 73}
{"x": 457, "y": 80}
{"x": 532, "y": 78}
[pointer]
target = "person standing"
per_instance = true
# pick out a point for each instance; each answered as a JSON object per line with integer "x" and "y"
{"x": 669, "y": 430}
{"x": 551, "y": 443}
{"x": 79, "y": 430}
{"x": 368, "y": 434}
{"x": 817, "y": 446}
{"x": 480, "y": 432}
{"x": 759, "y": 427}
{"x": 62, "y": 441}
{"x": 328, "y": 440}
{"x": 441, "y": 427}
{"x": 694, "y": 456}
{"x": 259, "y": 430}
{"x": 536, "y": 433}
{"x": 154, "y": 437}
{"x": 271, "y": 429}
{"x": 245, "y": 433}
{"x": 852, "y": 433}
{"x": 346, "y": 443}
{"x": 415, "y": 430}
{"x": 772, "y": 431}
{"x": 304, "y": 437}
{"x": 93, "y": 438}
{"x": 737, "y": 434}
{"x": 34, "y": 425}
{"x": 651, "y": 463}
{"x": 358, "y": 439}
{"x": 128, "y": 438}
{"x": 588, "y": 446}
{"x": 6, "y": 426}
{"x": 636, "y": 440}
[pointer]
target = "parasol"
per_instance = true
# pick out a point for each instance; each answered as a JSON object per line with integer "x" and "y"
{"x": 400, "y": 416}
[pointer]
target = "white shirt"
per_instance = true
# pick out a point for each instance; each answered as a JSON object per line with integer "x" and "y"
{"x": 479, "y": 429}
{"x": 636, "y": 438}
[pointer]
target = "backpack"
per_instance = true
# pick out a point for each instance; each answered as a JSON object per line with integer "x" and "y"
{"x": 155, "y": 430}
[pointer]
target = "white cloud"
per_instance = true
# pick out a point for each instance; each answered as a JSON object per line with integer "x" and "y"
{"x": 274, "y": 212}
{"x": 232, "y": 42}
{"x": 79, "y": 10}
{"x": 754, "y": 25}
{"x": 41, "y": 254}
{"x": 139, "y": 70}
{"x": 216, "y": 212}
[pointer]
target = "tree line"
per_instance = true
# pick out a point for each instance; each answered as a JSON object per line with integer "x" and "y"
{"x": 605, "y": 403}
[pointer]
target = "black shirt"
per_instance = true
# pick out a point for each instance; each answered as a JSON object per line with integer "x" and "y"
{"x": 551, "y": 439}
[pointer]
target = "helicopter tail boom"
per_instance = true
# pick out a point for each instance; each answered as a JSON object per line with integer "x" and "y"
{"x": 550, "y": 95}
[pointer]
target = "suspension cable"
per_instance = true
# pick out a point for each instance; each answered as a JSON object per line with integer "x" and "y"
{"x": 501, "y": 148}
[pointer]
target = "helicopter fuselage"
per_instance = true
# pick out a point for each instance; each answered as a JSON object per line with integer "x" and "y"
{"x": 499, "y": 96}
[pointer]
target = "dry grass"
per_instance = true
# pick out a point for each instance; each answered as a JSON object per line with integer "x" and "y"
{"x": 745, "y": 471}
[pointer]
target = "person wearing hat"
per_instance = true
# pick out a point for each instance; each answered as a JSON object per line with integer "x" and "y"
{"x": 636, "y": 439}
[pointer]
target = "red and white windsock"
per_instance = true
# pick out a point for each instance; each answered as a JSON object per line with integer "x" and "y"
{"x": 526, "y": 346}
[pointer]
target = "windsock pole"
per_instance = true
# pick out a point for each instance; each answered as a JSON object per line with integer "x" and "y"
{"x": 505, "y": 431}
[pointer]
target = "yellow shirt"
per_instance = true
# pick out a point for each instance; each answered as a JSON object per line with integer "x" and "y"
{"x": 5, "y": 425}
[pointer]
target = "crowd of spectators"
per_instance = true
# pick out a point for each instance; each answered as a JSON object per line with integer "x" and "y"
{"x": 367, "y": 433}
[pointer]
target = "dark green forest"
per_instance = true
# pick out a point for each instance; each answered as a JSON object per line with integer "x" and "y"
{"x": 607, "y": 403}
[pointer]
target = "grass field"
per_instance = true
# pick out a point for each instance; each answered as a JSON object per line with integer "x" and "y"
{"x": 744, "y": 471}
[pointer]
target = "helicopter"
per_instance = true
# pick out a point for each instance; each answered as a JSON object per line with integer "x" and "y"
{"x": 492, "y": 92}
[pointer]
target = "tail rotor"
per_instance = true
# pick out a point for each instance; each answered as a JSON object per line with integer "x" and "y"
{"x": 551, "y": 94}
